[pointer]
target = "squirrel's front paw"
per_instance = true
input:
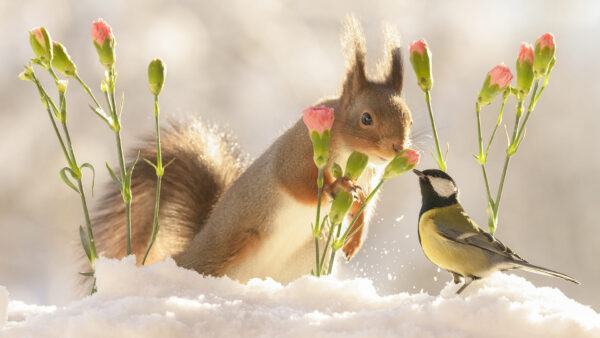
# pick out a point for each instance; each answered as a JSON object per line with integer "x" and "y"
{"x": 341, "y": 183}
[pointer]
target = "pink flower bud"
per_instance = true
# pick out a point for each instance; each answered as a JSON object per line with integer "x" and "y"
{"x": 417, "y": 46}
{"x": 544, "y": 55}
{"x": 501, "y": 76}
{"x": 526, "y": 53}
{"x": 546, "y": 40}
{"x": 39, "y": 36}
{"x": 104, "y": 41}
{"x": 420, "y": 58}
{"x": 319, "y": 118}
{"x": 412, "y": 157}
{"x": 101, "y": 31}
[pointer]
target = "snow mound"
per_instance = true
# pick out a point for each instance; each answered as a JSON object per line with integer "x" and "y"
{"x": 163, "y": 300}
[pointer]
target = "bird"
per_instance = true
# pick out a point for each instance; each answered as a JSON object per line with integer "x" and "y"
{"x": 453, "y": 241}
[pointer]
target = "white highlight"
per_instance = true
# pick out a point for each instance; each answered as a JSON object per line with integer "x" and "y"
{"x": 443, "y": 187}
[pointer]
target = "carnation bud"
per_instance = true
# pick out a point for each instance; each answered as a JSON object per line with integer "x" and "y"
{"x": 319, "y": 120}
{"x": 40, "y": 40}
{"x": 404, "y": 161}
{"x": 336, "y": 170}
{"x": 420, "y": 58}
{"x": 524, "y": 71}
{"x": 62, "y": 86}
{"x": 156, "y": 76}
{"x": 357, "y": 162}
{"x": 340, "y": 206}
{"x": 496, "y": 81}
{"x": 27, "y": 74}
{"x": 544, "y": 53}
{"x": 61, "y": 60}
{"x": 104, "y": 41}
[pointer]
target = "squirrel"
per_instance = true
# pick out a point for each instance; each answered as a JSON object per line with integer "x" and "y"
{"x": 220, "y": 216}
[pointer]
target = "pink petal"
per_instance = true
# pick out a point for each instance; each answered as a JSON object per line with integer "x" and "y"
{"x": 500, "y": 75}
{"x": 39, "y": 36}
{"x": 526, "y": 53}
{"x": 101, "y": 31}
{"x": 319, "y": 118}
{"x": 547, "y": 39}
{"x": 411, "y": 156}
{"x": 418, "y": 46}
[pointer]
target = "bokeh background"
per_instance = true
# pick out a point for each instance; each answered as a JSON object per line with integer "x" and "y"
{"x": 252, "y": 66}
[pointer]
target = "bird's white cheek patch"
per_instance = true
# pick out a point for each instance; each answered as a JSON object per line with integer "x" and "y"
{"x": 442, "y": 186}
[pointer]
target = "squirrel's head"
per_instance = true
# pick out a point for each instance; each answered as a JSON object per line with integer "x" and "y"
{"x": 372, "y": 117}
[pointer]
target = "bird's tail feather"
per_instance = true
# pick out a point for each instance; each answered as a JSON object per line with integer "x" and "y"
{"x": 538, "y": 269}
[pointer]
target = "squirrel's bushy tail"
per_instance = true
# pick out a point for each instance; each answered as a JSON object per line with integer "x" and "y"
{"x": 206, "y": 162}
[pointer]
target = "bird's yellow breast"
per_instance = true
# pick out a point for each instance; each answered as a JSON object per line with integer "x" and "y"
{"x": 450, "y": 255}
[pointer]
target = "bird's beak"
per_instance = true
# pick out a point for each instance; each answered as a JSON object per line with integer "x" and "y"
{"x": 418, "y": 173}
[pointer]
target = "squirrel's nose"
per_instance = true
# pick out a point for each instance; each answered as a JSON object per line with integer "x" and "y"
{"x": 397, "y": 147}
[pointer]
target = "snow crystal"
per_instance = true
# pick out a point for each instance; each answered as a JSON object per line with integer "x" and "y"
{"x": 164, "y": 300}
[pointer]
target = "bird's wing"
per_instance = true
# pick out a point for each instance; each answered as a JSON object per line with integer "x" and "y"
{"x": 454, "y": 229}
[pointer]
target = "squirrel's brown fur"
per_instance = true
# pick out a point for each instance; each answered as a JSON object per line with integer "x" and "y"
{"x": 219, "y": 218}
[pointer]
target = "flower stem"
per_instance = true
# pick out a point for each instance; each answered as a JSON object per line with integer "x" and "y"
{"x": 86, "y": 213}
{"x": 320, "y": 269}
{"x": 345, "y": 237}
{"x": 440, "y": 160}
{"x": 159, "y": 174}
{"x": 87, "y": 89}
{"x": 317, "y": 229}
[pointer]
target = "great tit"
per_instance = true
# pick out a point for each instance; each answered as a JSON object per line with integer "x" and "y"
{"x": 452, "y": 241}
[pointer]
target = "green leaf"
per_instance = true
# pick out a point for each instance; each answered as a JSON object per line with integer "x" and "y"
{"x": 65, "y": 179}
{"x": 114, "y": 177}
{"x": 85, "y": 243}
{"x": 169, "y": 163}
{"x": 150, "y": 163}
{"x": 87, "y": 274}
{"x": 130, "y": 170}
{"x": 91, "y": 167}
{"x": 121, "y": 106}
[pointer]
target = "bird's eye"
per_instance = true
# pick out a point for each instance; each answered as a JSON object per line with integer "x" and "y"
{"x": 366, "y": 119}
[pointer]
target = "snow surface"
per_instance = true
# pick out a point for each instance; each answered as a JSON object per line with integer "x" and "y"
{"x": 163, "y": 300}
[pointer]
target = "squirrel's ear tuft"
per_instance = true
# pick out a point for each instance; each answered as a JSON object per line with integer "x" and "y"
{"x": 393, "y": 59}
{"x": 353, "y": 42}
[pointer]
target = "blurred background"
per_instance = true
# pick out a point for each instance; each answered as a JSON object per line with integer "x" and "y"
{"x": 252, "y": 66}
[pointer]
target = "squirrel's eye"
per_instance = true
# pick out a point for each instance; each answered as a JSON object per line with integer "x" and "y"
{"x": 366, "y": 119}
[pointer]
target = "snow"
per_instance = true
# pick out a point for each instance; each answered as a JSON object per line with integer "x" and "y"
{"x": 165, "y": 300}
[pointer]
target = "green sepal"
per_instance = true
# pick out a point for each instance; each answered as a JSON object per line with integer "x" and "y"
{"x": 156, "y": 76}
{"x": 356, "y": 164}
{"x": 336, "y": 170}
{"x": 320, "y": 147}
{"x": 42, "y": 50}
{"x": 62, "y": 61}
{"x": 398, "y": 165}
{"x": 488, "y": 92}
{"x": 542, "y": 58}
{"x": 524, "y": 79}
{"x": 106, "y": 52}
{"x": 340, "y": 206}
{"x": 422, "y": 66}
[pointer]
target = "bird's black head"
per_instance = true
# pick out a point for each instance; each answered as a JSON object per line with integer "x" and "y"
{"x": 438, "y": 189}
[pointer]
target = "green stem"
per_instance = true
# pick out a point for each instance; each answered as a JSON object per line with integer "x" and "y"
{"x": 479, "y": 136}
{"x": 440, "y": 160}
{"x": 159, "y": 174}
{"x": 87, "y": 89}
{"x": 320, "y": 269}
{"x": 487, "y": 149}
{"x": 77, "y": 170}
{"x": 317, "y": 229}
{"x": 530, "y": 108}
{"x": 345, "y": 237}
{"x": 506, "y": 162}
{"x": 487, "y": 185}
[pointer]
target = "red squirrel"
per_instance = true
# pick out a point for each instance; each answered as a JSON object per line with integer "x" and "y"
{"x": 221, "y": 217}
